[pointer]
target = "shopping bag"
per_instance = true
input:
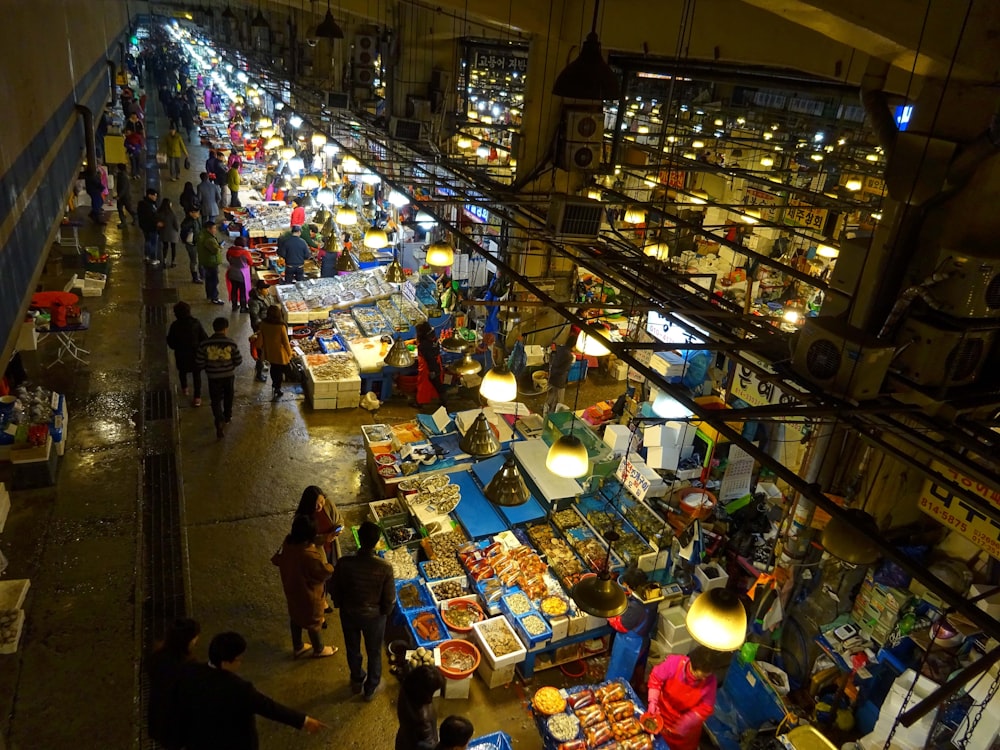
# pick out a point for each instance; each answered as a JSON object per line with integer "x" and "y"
{"x": 254, "y": 353}
{"x": 187, "y": 163}
{"x": 161, "y": 159}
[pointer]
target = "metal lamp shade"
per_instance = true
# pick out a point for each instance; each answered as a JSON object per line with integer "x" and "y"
{"x": 589, "y": 76}
{"x": 376, "y": 238}
{"x": 507, "y": 487}
{"x": 590, "y": 345}
{"x": 346, "y": 216}
{"x": 259, "y": 22}
{"x": 599, "y": 596}
{"x": 717, "y": 620}
{"x": 466, "y": 366}
{"x": 398, "y": 355}
{"x": 499, "y": 384}
{"x": 346, "y": 262}
{"x": 453, "y": 343}
{"x": 480, "y": 440}
{"x": 328, "y": 27}
{"x": 394, "y": 273}
{"x": 568, "y": 457}
{"x": 440, "y": 254}
{"x": 841, "y": 539}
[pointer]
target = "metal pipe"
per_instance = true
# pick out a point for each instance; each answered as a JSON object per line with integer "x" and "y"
{"x": 876, "y": 104}
{"x": 89, "y": 136}
{"x": 943, "y": 693}
{"x": 113, "y": 81}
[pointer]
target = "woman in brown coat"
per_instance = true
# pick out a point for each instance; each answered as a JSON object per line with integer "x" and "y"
{"x": 304, "y": 572}
{"x": 274, "y": 347}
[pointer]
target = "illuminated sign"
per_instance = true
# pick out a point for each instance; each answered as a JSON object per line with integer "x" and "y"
{"x": 956, "y": 513}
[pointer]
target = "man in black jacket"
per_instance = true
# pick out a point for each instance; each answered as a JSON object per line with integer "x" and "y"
{"x": 363, "y": 589}
{"x": 146, "y": 213}
{"x": 216, "y": 709}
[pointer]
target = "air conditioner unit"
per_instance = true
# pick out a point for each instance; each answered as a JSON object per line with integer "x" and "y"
{"x": 937, "y": 353}
{"x": 365, "y": 50}
{"x": 363, "y": 75}
{"x": 405, "y": 130}
{"x": 972, "y": 289}
{"x": 582, "y": 156}
{"x": 572, "y": 217}
{"x": 338, "y": 100}
{"x": 584, "y": 125}
{"x": 845, "y": 361}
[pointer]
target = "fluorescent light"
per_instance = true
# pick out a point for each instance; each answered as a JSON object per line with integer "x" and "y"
{"x": 825, "y": 251}
{"x": 853, "y": 184}
{"x": 398, "y": 199}
{"x": 295, "y": 121}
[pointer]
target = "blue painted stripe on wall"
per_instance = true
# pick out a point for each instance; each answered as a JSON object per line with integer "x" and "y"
{"x": 27, "y": 244}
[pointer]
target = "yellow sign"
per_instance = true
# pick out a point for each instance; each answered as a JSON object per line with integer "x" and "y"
{"x": 874, "y": 185}
{"x": 955, "y": 513}
{"x": 767, "y": 202}
{"x": 803, "y": 215}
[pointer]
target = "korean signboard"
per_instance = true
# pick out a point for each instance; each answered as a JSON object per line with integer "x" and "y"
{"x": 803, "y": 215}
{"x": 958, "y": 514}
{"x": 632, "y": 479}
{"x": 768, "y": 203}
{"x": 498, "y": 61}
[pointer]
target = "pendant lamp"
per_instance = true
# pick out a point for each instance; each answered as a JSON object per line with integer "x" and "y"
{"x": 346, "y": 262}
{"x": 346, "y": 216}
{"x": 841, "y": 539}
{"x": 259, "y": 22}
{"x": 467, "y": 365}
{"x": 634, "y": 215}
{"x": 376, "y": 238}
{"x": 328, "y": 27}
{"x": 453, "y": 342}
{"x": 666, "y": 406}
{"x": 228, "y": 13}
{"x": 399, "y": 354}
{"x": 325, "y": 197}
{"x": 479, "y": 440}
{"x": 499, "y": 384}
{"x": 599, "y": 596}
{"x": 440, "y": 254}
{"x": 309, "y": 182}
{"x": 394, "y": 273}
{"x": 589, "y": 76}
{"x": 589, "y": 345}
{"x": 568, "y": 457}
{"x": 717, "y": 620}
{"x": 507, "y": 488}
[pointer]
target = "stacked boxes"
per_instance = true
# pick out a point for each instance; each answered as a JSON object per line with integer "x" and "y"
{"x": 877, "y": 608}
{"x": 344, "y": 393}
{"x": 12, "y": 595}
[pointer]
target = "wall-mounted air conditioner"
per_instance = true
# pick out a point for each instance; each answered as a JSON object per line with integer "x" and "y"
{"x": 405, "y": 130}
{"x": 572, "y": 217}
{"x": 936, "y": 353}
{"x": 845, "y": 361}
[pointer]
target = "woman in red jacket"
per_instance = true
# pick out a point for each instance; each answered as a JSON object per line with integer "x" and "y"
{"x": 238, "y": 275}
{"x": 429, "y": 367}
{"x": 682, "y": 693}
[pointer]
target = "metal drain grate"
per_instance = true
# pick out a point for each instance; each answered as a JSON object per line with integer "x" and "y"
{"x": 157, "y": 404}
{"x": 156, "y": 316}
{"x": 164, "y": 564}
{"x": 159, "y": 296}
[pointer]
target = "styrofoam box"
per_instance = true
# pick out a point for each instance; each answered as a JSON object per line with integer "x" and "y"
{"x": 320, "y": 403}
{"x": 595, "y": 622}
{"x": 13, "y": 592}
{"x": 576, "y": 623}
{"x": 498, "y": 662}
{"x": 680, "y": 646}
{"x": 345, "y": 401}
{"x": 673, "y": 624}
{"x": 718, "y": 580}
{"x": 559, "y": 625}
{"x": 617, "y": 436}
{"x": 495, "y": 678}
{"x": 535, "y": 355}
{"x": 10, "y": 648}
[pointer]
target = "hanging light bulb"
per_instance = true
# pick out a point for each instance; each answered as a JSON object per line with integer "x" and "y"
{"x": 264, "y": 122}
{"x": 634, "y": 215}
{"x": 309, "y": 182}
{"x": 590, "y": 346}
{"x": 658, "y": 250}
{"x": 376, "y": 238}
{"x": 398, "y": 199}
{"x": 666, "y": 406}
{"x": 499, "y": 384}
{"x": 767, "y": 161}
{"x": 717, "y": 620}
{"x": 464, "y": 142}
{"x": 370, "y": 178}
{"x": 594, "y": 193}
{"x": 295, "y": 121}
{"x": 273, "y": 142}
{"x": 482, "y": 152}
{"x": 350, "y": 165}
{"x": 296, "y": 164}
{"x": 697, "y": 144}
{"x": 440, "y": 254}
{"x": 286, "y": 152}
{"x": 266, "y": 133}
{"x": 346, "y": 216}
{"x": 825, "y": 251}
{"x": 853, "y": 184}
{"x": 568, "y": 457}
{"x": 318, "y": 140}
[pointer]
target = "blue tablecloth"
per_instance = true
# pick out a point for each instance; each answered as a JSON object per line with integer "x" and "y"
{"x": 476, "y": 514}
{"x": 517, "y": 514}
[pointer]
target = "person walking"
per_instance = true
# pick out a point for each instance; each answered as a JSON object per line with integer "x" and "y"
{"x": 415, "y": 709}
{"x": 260, "y": 300}
{"x": 219, "y": 357}
{"x": 363, "y": 589}
{"x": 273, "y": 345}
{"x": 176, "y": 151}
{"x": 209, "y": 258}
{"x": 170, "y": 231}
{"x": 147, "y": 223}
{"x": 216, "y": 709}
{"x": 429, "y": 367}
{"x": 304, "y": 572}
{"x": 123, "y": 193}
{"x": 455, "y": 733}
{"x": 238, "y": 274}
{"x": 328, "y": 519}
{"x": 188, "y": 197}
{"x": 560, "y": 362}
{"x": 295, "y": 252}
{"x": 164, "y": 667}
{"x": 209, "y": 198}
{"x": 185, "y": 336}
{"x": 190, "y": 229}
{"x": 187, "y": 119}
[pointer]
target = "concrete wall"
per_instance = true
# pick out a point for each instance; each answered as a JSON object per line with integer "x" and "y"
{"x": 54, "y": 56}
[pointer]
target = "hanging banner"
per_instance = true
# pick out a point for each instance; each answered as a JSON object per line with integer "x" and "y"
{"x": 632, "y": 478}
{"x": 956, "y": 513}
{"x": 738, "y": 475}
{"x": 767, "y": 202}
{"x": 803, "y": 215}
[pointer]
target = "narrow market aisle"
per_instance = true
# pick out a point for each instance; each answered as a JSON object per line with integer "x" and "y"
{"x": 72, "y": 682}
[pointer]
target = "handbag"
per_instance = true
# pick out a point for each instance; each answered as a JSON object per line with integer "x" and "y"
{"x": 161, "y": 159}
{"x": 187, "y": 163}
{"x": 254, "y": 351}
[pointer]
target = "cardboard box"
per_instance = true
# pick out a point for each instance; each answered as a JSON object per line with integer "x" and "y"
{"x": 711, "y": 576}
{"x": 494, "y": 677}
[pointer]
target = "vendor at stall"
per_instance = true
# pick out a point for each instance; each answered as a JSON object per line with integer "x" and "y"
{"x": 682, "y": 694}
{"x": 295, "y": 252}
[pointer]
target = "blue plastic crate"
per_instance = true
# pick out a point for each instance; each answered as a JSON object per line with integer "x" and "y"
{"x": 505, "y": 607}
{"x": 529, "y": 639}
{"x": 332, "y": 344}
{"x": 412, "y": 614}
{"x": 492, "y": 741}
{"x": 425, "y": 596}
{"x": 480, "y": 586}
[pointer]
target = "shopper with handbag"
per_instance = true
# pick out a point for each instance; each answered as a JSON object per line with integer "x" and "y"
{"x": 260, "y": 300}
{"x": 274, "y": 346}
{"x": 174, "y": 148}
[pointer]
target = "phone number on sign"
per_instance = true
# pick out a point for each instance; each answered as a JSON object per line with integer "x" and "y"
{"x": 942, "y": 513}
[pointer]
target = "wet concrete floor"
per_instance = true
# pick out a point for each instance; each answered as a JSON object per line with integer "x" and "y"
{"x": 74, "y": 681}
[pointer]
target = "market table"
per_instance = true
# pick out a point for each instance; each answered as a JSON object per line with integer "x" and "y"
{"x": 531, "y": 455}
{"x": 477, "y": 515}
{"x": 64, "y": 335}
{"x": 45, "y": 300}
{"x": 515, "y": 514}
{"x": 527, "y": 667}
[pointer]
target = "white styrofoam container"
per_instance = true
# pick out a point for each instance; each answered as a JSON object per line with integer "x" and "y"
{"x": 498, "y": 662}
{"x": 718, "y": 580}
{"x": 679, "y": 646}
{"x": 494, "y": 677}
{"x": 673, "y": 624}
{"x": 617, "y": 436}
{"x": 13, "y": 592}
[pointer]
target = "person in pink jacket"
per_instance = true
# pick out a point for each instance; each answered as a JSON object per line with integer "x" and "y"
{"x": 682, "y": 693}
